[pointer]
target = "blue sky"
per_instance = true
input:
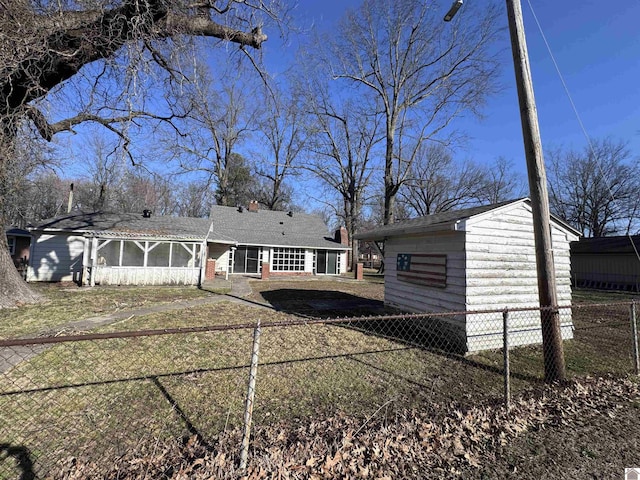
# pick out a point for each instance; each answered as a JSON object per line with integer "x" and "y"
{"x": 597, "y": 47}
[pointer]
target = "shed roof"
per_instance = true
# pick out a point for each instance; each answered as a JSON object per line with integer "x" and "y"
{"x": 619, "y": 244}
{"x": 229, "y": 225}
{"x": 445, "y": 221}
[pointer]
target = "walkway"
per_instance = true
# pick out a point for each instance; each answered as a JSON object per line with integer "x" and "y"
{"x": 237, "y": 289}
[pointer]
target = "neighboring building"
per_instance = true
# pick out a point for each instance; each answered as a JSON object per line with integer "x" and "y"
{"x": 19, "y": 241}
{"x": 480, "y": 258}
{"x": 143, "y": 249}
{"x": 611, "y": 263}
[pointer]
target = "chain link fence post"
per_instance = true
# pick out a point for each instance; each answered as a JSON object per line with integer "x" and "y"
{"x": 251, "y": 392}
{"x": 634, "y": 334}
{"x": 505, "y": 350}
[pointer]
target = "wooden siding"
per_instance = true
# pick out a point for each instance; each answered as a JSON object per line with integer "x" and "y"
{"x": 56, "y": 258}
{"x": 501, "y": 262}
{"x": 147, "y": 276}
{"x": 501, "y": 273}
{"x": 418, "y": 298}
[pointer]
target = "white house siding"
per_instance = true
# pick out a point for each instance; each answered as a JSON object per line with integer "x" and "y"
{"x": 343, "y": 262}
{"x": 56, "y": 258}
{"x": 309, "y": 261}
{"x": 501, "y": 273}
{"x": 147, "y": 275}
{"x": 220, "y": 253}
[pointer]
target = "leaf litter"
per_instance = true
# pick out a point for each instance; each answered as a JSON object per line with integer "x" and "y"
{"x": 438, "y": 441}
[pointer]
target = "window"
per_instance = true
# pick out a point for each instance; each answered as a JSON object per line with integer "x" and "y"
{"x": 12, "y": 245}
{"x": 133, "y": 253}
{"x": 288, "y": 260}
{"x": 327, "y": 262}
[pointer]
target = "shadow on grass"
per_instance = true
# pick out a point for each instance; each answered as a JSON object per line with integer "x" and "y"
{"x": 154, "y": 378}
{"x": 22, "y": 456}
{"x": 429, "y": 334}
{"x": 321, "y": 303}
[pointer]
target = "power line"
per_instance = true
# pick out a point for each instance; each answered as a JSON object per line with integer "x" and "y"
{"x": 582, "y": 127}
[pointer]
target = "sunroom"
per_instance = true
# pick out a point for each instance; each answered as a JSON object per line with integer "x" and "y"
{"x": 117, "y": 261}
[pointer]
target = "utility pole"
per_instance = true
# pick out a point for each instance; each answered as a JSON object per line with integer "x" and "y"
{"x": 553, "y": 352}
{"x": 554, "y": 366}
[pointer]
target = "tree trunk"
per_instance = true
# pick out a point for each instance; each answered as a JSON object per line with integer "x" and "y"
{"x": 389, "y": 184}
{"x": 14, "y": 291}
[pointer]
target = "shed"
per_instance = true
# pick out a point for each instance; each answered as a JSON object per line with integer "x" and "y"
{"x": 480, "y": 258}
{"x": 611, "y": 263}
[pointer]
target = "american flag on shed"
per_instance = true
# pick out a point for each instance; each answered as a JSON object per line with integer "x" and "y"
{"x": 422, "y": 269}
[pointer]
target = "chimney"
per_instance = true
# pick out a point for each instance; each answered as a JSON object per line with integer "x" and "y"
{"x": 342, "y": 236}
{"x": 70, "y": 204}
{"x": 253, "y": 206}
{"x": 146, "y": 213}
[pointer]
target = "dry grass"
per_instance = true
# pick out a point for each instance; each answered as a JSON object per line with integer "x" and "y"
{"x": 100, "y": 399}
{"x": 68, "y": 303}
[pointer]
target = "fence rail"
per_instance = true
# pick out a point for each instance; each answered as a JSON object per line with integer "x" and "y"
{"x": 97, "y": 396}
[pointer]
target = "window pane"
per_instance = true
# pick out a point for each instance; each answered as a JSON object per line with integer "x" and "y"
{"x": 132, "y": 256}
{"x": 288, "y": 259}
{"x": 159, "y": 255}
{"x": 109, "y": 253}
{"x": 181, "y": 257}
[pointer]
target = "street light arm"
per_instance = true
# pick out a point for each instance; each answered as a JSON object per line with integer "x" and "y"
{"x": 453, "y": 10}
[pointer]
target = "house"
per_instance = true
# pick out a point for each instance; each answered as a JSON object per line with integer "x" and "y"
{"x": 19, "y": 241}
{"x": 611, "y": 263}
{"x": 144, "y": 249}
{"x": 254, "y": 241}
{"x": 480, "y": 258}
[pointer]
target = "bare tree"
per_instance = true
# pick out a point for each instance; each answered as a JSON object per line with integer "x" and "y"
{"x": 341, "y": 142}
{"x": 423, "y": 71}
{"x": 29, "y": 176}
{"x": 217, "y": 123}
{"x": 596, "y": 189}
{"x": 194, "y": 199}
{"x": 49, "y": 46}
{"x": 437, "y": 183}
{"x": 281, "y": 132}
{"x": 501, "y": 183}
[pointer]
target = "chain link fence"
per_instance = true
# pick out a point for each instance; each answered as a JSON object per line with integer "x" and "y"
{"x": 95, "y": 398}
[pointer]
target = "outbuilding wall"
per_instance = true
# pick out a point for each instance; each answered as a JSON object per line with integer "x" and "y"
{"x": 419, "y": 298}
{"x": 501, "y": 273}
